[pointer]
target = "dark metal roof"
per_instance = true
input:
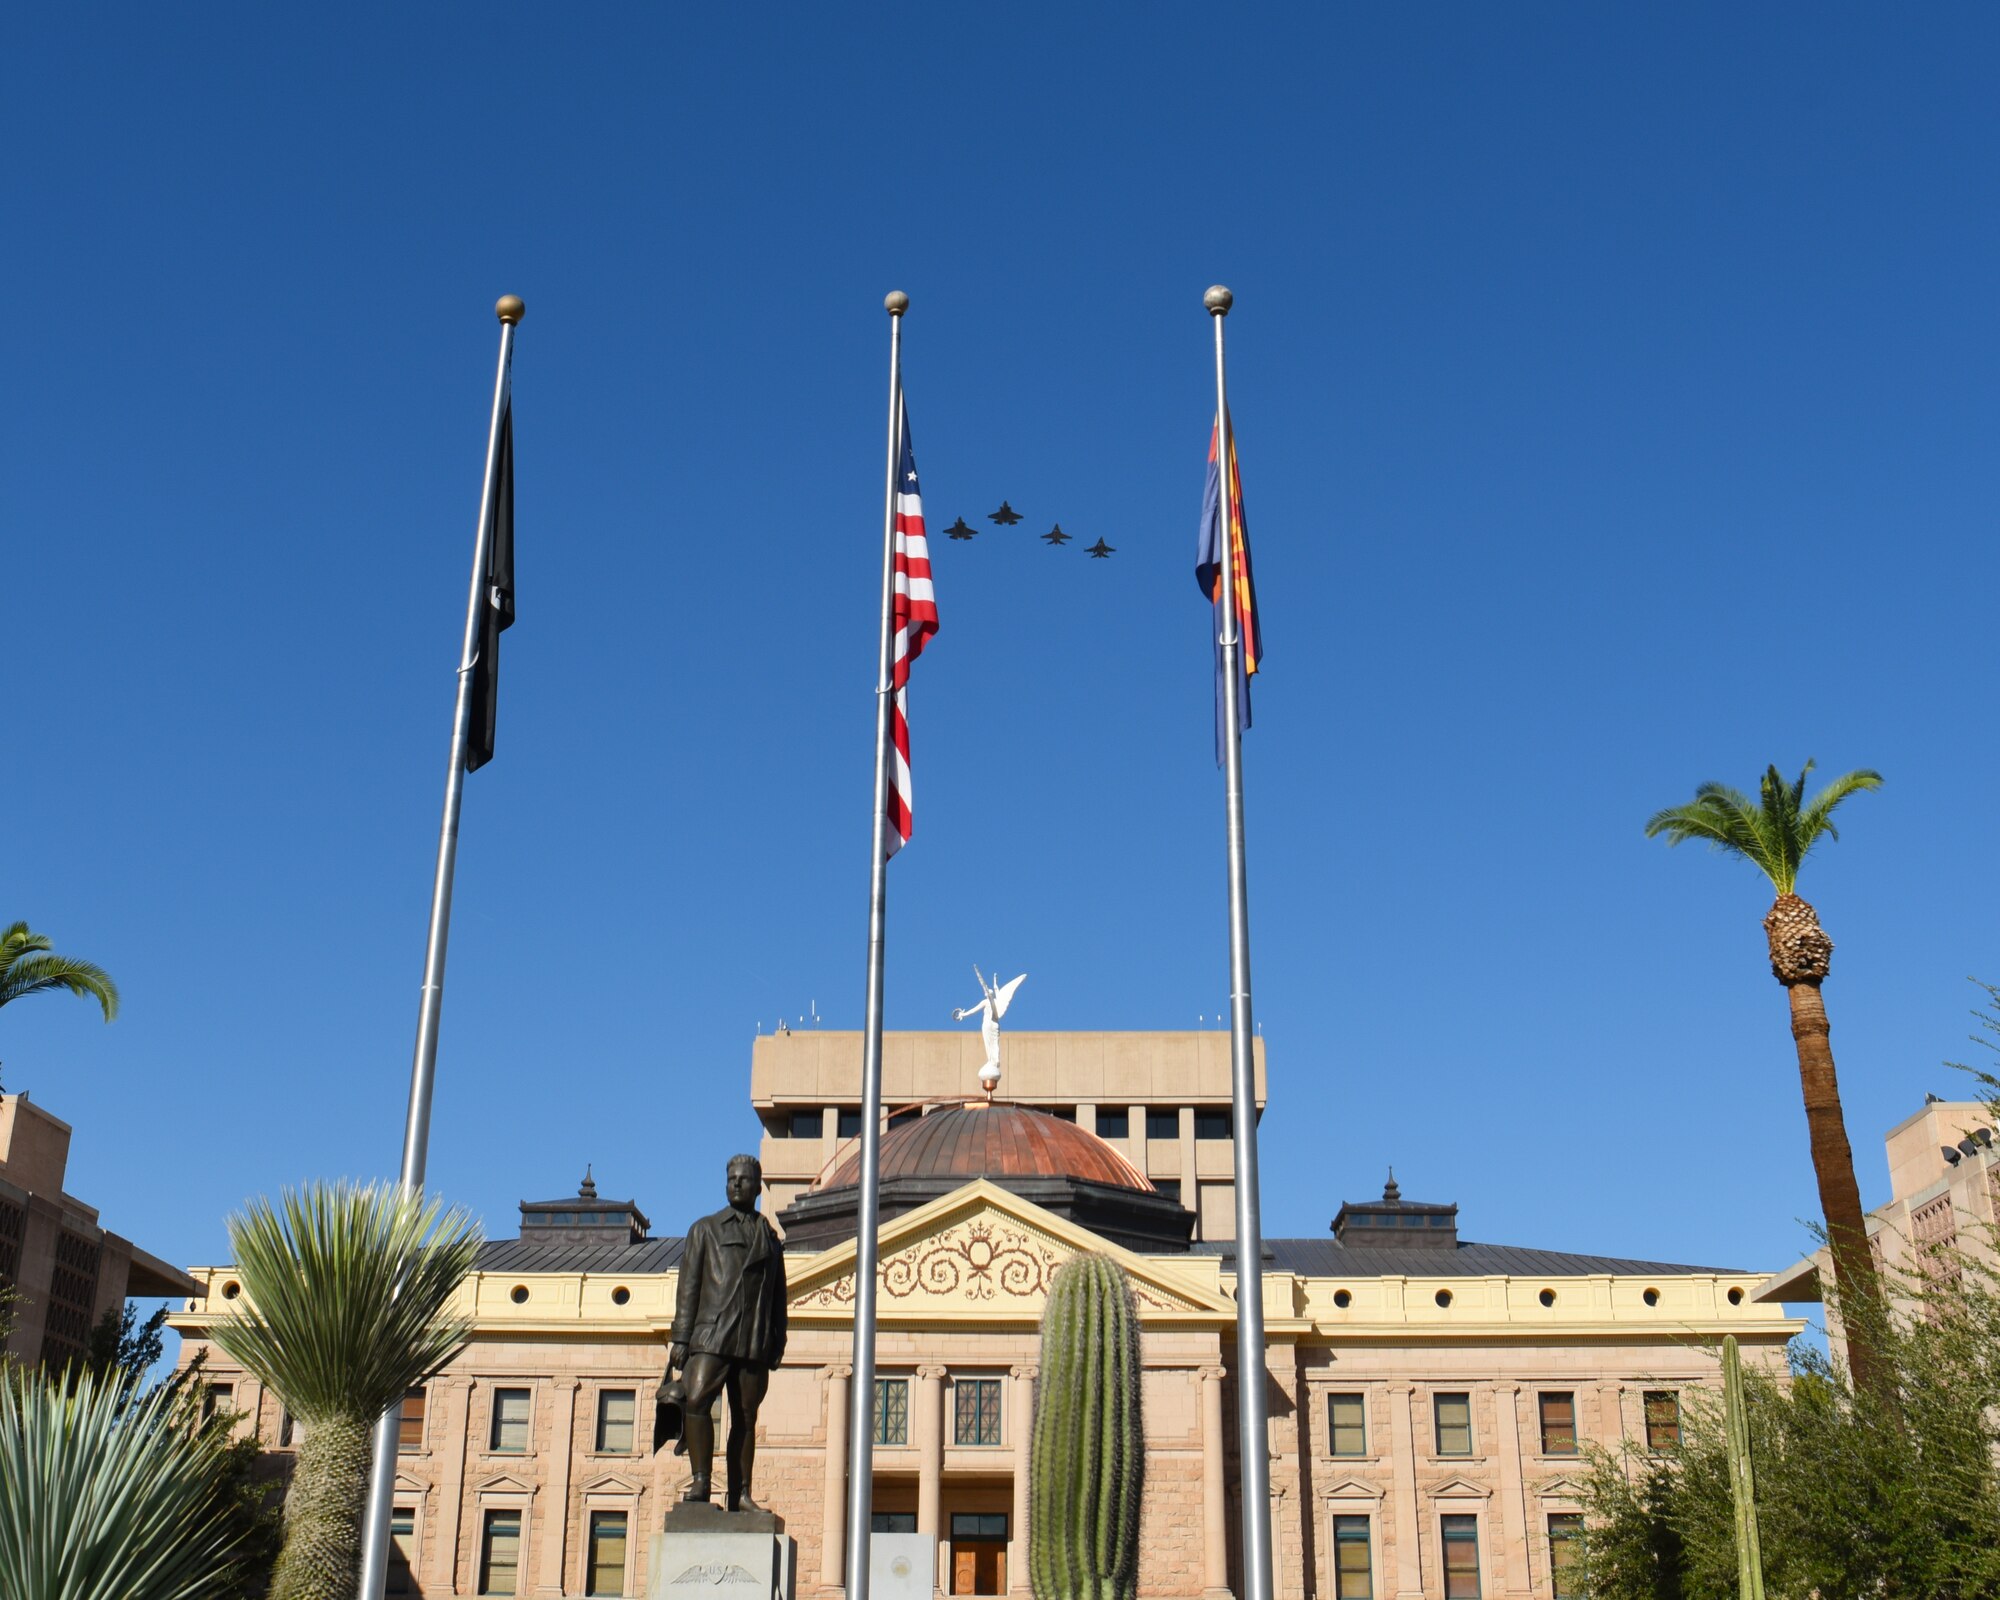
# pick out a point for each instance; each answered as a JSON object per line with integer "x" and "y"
{"x": 579, "y": 1255}
{"x": 1329, "y": 1258}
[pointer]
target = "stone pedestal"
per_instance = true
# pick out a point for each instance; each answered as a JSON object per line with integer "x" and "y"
{"x": 706, "y": 1553}
{"x": 902, "y": 1566}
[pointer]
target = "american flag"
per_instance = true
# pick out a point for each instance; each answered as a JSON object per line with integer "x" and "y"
{"x": 914, "y": 619}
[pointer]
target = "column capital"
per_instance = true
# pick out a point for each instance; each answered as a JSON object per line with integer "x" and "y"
{"x": 840, "y": 1371}
{"x": 1211, "y": 1374}
{"x": 1028, "y": 1369}
{"x": 568, "y": 1385}
{"x": 933, "y": 1372}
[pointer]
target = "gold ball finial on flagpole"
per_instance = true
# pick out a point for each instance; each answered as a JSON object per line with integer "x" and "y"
{"x": 1218, "y": 300}
{"x": 895, "y": 302}
{"x": 510, "y": 309}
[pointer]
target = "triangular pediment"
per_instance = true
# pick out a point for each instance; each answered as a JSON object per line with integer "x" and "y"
{"x": 1458, "y": 1488}
{"x": 503, "y": 1483}
{"x": 982, "y": 1251}
{"x": 405, "y": 1484}
{"x": 1560, "y": 1489}
{"x": 1351, "y": 1489}
{"x": 610, "y": 1483}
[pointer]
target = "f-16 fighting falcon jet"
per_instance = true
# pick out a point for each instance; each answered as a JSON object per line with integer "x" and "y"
{"x": 1055, "y": 535}
{"x": 1006, "y": 516}
{"x": 1100, "y": 550}
{"x": 958, "y": 530}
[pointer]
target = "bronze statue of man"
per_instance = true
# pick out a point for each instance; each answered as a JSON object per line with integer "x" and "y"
{"x": 729, "y": 1330}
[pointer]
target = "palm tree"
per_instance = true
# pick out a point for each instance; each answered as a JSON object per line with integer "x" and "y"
{"x": 106, "y": 1495}
{"x": 26, "y": 968}
{"x": 1775, "y": 835}
{"x": 345, "y": 1287}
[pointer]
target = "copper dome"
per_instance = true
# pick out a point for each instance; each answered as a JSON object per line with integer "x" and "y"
{"x": 994, "y": 1141}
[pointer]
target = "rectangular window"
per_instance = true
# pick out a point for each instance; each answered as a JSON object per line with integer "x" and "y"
{"x": 1663, "y": 1420}
{"x": 218, "y": 1397}
{"x": 617, "y": 1414}
{"x": 892, "y": 1412}
{"x": 892, "y": 1522}
{"x": 410, "y": 1423}
{"x": 402, "y": 1548}
{"x": 807, "y": 1124}
{"x": 1353, "y": 1572}
{"x": 1454, "y": 1424}
{"x": 1566, "y": 1554}
{"x": 1211, "y": 1122}
{"x": 979, "y": 1524}
{"x": 898, "y": 1118}
{"x": 1114, "y": 1123}
{"x": 1063, "y": 1113}
{"x": 1558, "y": 1424}
{"x": 510, "y": 1423}
{"x": 1170, "y": 1187}
{"x": 976, "y": 1411}
{"x": 604, "y": 1570}
{"x": 1347, "y": 1424}
{"x": 1163, "y": 1122}
{"x": 849, "y": 1123}
{"x": 1461, "y": 1557}
{"x": 500, "y": 1553}
{"x": 290, "y": 1434}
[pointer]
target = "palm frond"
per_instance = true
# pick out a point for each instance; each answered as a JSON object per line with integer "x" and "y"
{"x": 1775, "y": 832}
{"x": 102, "y": 1496}
{"x": 16, "y": 942}
{"x": 43, "y": 974}
{"x": 346, "y": 1286}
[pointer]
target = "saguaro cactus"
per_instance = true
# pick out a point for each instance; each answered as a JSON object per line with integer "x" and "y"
{"x": 1086, "y": 1471}
{"x": 1742, "y": 1479}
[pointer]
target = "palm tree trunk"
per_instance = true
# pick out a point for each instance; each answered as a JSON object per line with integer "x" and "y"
{"x": 322, "y": 1555}
{"x": 1855, "y": 1277}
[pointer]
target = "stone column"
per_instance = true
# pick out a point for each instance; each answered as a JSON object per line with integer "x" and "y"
{"x": 1023, "y": 1423}
{"x": 1214, "y": 1488}
{"x": 833, "y": 1513}
{"x": 555, "y": 1510}
{"x": 1513, "y": 1490}
{"x": 1190, "y": 1188}
{"x": 927, "y": 1421}
{"x": 1403, "y": 1432}
{"x": 440, "y": 1558}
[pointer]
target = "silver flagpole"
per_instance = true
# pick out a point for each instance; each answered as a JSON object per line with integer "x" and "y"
{"x": 417, "y": 1126}
{"x": 1253, "y": 1440}
{"x": 861, "y": 1409}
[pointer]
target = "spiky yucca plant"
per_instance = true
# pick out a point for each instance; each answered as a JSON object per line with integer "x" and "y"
{"x": 102, "y": 1495}
{"x": 1775, "y": 834}
{"x": 345, "y": 1287}
{"x": 1085, "y": 1474}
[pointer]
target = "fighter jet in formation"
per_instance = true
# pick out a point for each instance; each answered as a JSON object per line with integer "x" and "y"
{"x": 1100, "y": 550}
{"x": 958, "y": 530}
{"x": 1006, "y": 516}
{"x": 1056, "y": 536}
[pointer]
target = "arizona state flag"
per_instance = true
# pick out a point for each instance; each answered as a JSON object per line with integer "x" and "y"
{"x": 1208, "y": 572}
{"x": 496, "y": 605}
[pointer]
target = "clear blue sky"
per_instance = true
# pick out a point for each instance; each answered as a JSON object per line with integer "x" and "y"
{"x": 1617, "y": 397}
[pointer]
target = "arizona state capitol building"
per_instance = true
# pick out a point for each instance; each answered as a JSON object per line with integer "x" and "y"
{"x": 1429, "y": 1398}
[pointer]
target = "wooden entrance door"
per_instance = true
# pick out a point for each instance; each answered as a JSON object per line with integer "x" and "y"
{"x": 978, "y": 1567}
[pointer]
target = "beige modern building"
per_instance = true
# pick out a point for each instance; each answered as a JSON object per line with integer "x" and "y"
{"x": 1944, "y": 1195}
{"x": 1430, "y": 1397}
{"x": 66, "y": 1271}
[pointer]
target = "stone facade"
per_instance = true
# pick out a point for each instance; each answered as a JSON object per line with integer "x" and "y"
{"x": 1444, "y": 1359}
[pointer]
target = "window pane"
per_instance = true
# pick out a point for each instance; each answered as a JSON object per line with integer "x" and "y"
{"x": 1348, "y": 1425}
{"x": 892, "y": 1522}
{"x": 616, "y": 1411}
{"x": 510, "y": 1423}
{"x": 1454, "y": 1424}
{"x": 605, "y": 1573}
{"x": 402, "y": 1548}
{"x": 892, "y": 1411}
{"x": 1211, "y": 1122}
{"x": 807, "y": 1124}
{"x": 219, "y": 1397}
{"x": 1163, "y": 1122}
{"x": 976, "y": 1411}
{"x": 1353, "y": 1578}
{"x": 1566, "y": 1554}
{"x": 500, "y": 1555}
{"x": 979, "y": 1524}
{"x": 849, "y": 1125}
{"x": 1558, "y": 1424}
{"x": 1461, "y": 1557}
{"x": 1114, "y": 1124}
{"x": 1170, "y": 1187}
{"x": 410, "y": 1423}
{"x": 1663, "y": 1419}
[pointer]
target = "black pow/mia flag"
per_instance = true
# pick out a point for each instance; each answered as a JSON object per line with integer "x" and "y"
{"x": 496, "y": 602}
